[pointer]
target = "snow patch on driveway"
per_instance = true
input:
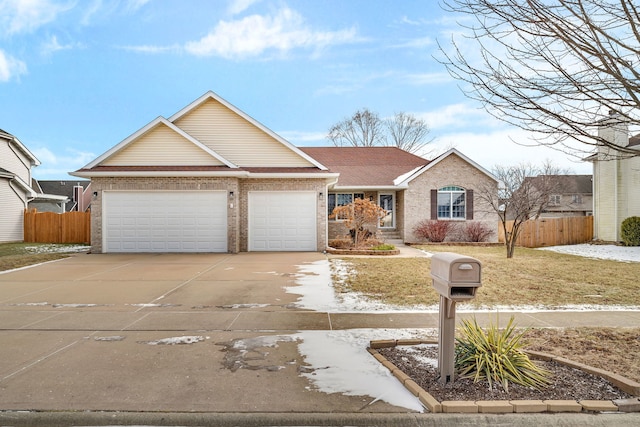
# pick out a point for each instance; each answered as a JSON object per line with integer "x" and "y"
{"x": 339, "y": 364}
{"x": 176, "y": 340}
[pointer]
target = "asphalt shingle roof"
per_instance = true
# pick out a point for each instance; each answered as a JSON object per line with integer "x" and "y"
{"x": 366, "y": 166}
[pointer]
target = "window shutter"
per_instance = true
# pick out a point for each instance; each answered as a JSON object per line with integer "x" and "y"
{"x": 434, "y": 204}
{"x": 469, "y": 204}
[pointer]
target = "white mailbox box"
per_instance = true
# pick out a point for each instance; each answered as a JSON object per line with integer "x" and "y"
{"x": 455, "y": 277}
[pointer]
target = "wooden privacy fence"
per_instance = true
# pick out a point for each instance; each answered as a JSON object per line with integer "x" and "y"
{"x": 50, "y": 227}
{"x": 552, "y": 231}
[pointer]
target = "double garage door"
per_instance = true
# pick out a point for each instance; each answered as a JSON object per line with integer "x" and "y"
{"x": 184, "y": 221}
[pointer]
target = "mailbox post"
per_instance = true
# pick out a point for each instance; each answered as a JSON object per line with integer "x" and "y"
{"x": 455, "y": 278}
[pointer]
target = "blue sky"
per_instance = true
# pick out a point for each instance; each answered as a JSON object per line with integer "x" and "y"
{"x": 78, "y": 77}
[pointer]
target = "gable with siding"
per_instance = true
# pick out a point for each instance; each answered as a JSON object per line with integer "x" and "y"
{"x": 162, "y": 146}
{"x": 235, "y": 138}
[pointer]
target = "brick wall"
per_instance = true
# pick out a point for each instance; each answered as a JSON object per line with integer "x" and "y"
{"x": 237, "y": 218}
{"x": 452, "y": 170}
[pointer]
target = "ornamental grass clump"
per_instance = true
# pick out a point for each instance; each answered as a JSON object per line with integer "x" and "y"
{"x": 497, "y": 357}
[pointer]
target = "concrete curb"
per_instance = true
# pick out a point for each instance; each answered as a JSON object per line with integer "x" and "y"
{"x": 515, "y": 406}
{"x": 106, "y": 418}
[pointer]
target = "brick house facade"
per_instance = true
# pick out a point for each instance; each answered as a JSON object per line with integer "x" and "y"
{"x": 212, "y": 179}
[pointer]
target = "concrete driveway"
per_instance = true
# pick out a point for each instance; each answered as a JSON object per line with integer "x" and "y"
{"x": 93, "y": 332}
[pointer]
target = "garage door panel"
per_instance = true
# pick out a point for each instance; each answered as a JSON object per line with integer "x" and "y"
{"x": 159, "y": 221}
{"x": 282, "y": 221}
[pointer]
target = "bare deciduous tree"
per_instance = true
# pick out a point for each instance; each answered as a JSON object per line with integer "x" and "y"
{"x": 553, "y": 68}
{"x": 366, "y": 129}
{"x": 407, "y": 132}
{"x": 363, "y": 129}
{"x": 520, "y": 197}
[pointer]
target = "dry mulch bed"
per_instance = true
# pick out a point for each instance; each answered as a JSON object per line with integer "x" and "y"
{"x": 568, "y": 383}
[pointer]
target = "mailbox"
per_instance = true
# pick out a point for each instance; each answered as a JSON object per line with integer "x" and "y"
{"x": 455, "y": 277}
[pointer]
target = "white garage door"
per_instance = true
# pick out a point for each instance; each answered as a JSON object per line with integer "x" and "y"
{"x": 282, "y": 221}
{"x": 161, "y": 221}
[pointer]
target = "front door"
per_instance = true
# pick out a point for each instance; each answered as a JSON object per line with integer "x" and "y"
{"x": 387, "y": 202}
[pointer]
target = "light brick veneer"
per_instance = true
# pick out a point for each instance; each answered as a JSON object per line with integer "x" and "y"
{"x": 237, "y": 219}
{"x": 452, "y": 170}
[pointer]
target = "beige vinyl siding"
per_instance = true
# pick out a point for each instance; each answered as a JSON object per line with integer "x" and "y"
{"x": 162, "y": 146}
{"x": 236, "y": 139}
{"x": 605, "y": 200}
{"x": 14, "y": 161}
{"x": 11, "y": 213}
{"x": 633, "y": 185}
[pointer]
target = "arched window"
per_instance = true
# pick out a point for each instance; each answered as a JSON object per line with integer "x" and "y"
{"x": 451, "y": 203}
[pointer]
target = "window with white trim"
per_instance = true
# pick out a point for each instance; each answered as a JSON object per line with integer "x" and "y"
{"x": 341, "y": 199}
{"x": 451, "y": 203}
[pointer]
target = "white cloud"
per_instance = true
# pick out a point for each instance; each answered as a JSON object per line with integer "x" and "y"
{"x": 134, "y": 5}
{"x": 419, "y": 43}
{"x": 503, "y": 147}
{"x": 153, "y": 49}
{"x": 428, "y": 78}
{"x": 239, "y": 6}
{"x": 24, "y": 16}
{"x": 53, "y": 165}
{"x": 52, "y": 46}
{"x": 303, "y": 138}
{"x": 255, "y": 34}
{"x": 459, "y": 116}
{"x": 10, "y": 67}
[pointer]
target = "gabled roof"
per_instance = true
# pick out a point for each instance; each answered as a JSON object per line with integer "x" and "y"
{"x": 407, "y": 179}
{"x": 30, "y": 192}
{"x": 362, "y": 167}
{"x": 211, "y": 132}
{"x": 6, "y": 135}
{"x": 152, "y": 125}
{"x": 570, "y": 184}
{"x": 212, "y": 95}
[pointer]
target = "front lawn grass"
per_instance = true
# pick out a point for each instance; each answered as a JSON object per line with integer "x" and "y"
{"x": 16, "y": 255}
{"x": 531, "y": 278}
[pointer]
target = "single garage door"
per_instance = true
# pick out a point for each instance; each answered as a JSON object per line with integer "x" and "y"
{"x": 282, "y": 221}
{"x": 162, "y": 221}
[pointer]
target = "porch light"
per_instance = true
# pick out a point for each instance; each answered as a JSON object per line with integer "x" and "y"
{"x": 321, "y": 195}
{"x": 231, "y": 194}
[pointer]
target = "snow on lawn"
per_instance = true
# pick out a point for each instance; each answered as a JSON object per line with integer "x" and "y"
{"x": 613, "y": 252}
{"x": 315, "y": 286}
{"x": 55, "y": 248}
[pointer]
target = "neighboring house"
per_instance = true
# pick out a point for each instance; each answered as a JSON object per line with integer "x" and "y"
{"x": 573, "y": 196}
{"x": 16, "y": 192}
{"x": 77, "y": 195}
{"x": 410, "y": 188}
{"x": 616, "y": 180}
{"x": 212, "y": 179}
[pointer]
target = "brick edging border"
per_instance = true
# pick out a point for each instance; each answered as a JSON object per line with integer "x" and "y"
{"x": 514, "y": 406}
{"x": 333, "y": 251}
